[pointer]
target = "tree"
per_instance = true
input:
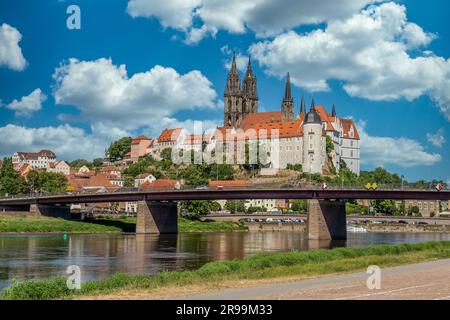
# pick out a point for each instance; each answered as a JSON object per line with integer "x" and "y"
{"x": 53, "y": 182}
{"x": 166, "y": 154}
{"x": 384, "y": 206}
{"x": 194, "y": 209}
{"x": 329, "y": 144}
{"x": 235, "y": 206}
{"x": 48, "y": 182}
{"x": 79, "y": 163}
{"x": 299, "y": 206}
{"x": 413, "y": 211}
{"x": 119, "y": 148}
{"x": 97, "y": 163}
{"x": 10, "y": 181}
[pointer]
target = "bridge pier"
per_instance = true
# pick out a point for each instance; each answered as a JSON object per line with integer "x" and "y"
{"x": 157, "y": 217}
{"x": 326, "y": 220}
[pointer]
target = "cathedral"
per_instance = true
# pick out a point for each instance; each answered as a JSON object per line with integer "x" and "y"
{"x": 303, "y": 137}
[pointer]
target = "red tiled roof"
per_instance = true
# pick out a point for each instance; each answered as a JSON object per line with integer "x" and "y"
{"x": 324, "y": 117}
{"x": 230, "y": 184}
{"x": 347, "y": 124}
{"x": 89, "y": 181}
{"x": 262, "y": 130}
{"x": 139, "y": 139}
{"x": 252, "y": 119}
{"x": 160, "y": 184}
{"x": 169, "y": 135}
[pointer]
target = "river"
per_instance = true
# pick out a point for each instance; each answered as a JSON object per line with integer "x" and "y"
{"x": 43, "y": 256}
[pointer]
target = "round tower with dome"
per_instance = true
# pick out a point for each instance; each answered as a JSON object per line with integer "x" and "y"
{"x": 313, "y": 142}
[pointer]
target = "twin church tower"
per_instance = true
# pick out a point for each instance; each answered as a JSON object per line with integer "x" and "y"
{"x": 243, "y": 100}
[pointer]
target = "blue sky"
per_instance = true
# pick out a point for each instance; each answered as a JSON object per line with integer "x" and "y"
{"x": 385, "y": 64}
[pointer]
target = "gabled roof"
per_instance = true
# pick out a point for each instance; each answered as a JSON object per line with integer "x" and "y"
{"x": 169, "y": 135}
{"x": 347, "y": 125}
{"x": 139, "y": 139}
{"x": 325, "y": 117}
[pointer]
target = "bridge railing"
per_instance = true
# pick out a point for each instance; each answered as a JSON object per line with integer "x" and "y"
{"x": 303, "y": 186}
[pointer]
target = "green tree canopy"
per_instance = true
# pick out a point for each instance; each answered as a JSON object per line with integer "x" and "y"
{"x": 10, "y": 180}
{"x": 119, "y": 148}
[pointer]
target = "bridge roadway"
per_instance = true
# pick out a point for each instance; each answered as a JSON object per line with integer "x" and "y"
{"x": 157, "y": 210}
{"x": 176, "y": 195}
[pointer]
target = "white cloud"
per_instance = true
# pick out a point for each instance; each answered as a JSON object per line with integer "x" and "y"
{"x": 10, "y": 53}
{"x": 105, "y": 94}
{"x": 28, "y": 104}
{"x": 176, "y": 14}
{"x": 403, "y": 152}
{"x": 264, "y": 17}
{"x": 369, "y": 52}
{"x": 437, "y": 139}
{"x": 67, "y": 142}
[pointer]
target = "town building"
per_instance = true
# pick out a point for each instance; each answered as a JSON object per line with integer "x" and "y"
{"x": 60, "y": 167}
{"x": 37, "y": 160}
{"x": 140, "y": 147}
{"x": 143, "y": 178}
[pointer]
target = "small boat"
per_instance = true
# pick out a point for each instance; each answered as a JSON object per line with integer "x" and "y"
{"x": 353, "y": 228}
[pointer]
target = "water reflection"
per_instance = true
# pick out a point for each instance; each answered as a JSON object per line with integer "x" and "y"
{"x": 42, "y": 256}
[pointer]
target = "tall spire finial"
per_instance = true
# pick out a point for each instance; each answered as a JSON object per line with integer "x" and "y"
{"x": 233, "y": 63}
{"x": 249, "y": 67}
{"x": 287, "y": 91}
{"x": 302, "y": 106}
{"x": 333, "y": 111}
{"x": 313, "y": 105}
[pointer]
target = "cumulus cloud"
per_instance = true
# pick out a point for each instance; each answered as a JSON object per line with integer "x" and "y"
{"x": 436, "y": 139}
{"x": 28, "y": 104}
{"x": 103, "y": 93}
{"x": 66, "y": 141}
{"x": 403, "y": 152}
{"x": 368, "y": 52}
{"x": 264, "y": 17}
{"x": 10, "y": 52}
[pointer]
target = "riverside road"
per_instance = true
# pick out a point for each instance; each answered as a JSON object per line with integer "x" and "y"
{"x": 422, "y": 281}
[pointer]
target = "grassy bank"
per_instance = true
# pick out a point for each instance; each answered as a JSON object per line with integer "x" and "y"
{"x": 261, "y": 266}
{"x": 52, "y": 225}
{"x": 104, "y": 225}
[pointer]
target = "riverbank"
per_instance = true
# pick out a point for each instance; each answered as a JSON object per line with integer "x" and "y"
{"x": 103, "y": 225}
{"x": 260, "y": 268}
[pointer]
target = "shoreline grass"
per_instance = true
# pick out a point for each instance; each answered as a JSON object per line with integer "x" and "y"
{"x": 9, "y": 225}
{"x": 257, "y": 267}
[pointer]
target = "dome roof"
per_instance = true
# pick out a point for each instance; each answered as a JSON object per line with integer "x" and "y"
{"x": 312, "y": 117}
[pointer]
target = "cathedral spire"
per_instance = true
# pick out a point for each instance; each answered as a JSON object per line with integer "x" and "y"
{"x": 233, "y": 64}
{"x": 333, "y": 111}
{"x": 249, "y": 67}
{"x": 302, "y": 106}
{"x": 313, "y": 105}
{"x": 287, "y": 90}
{"x": 287, "y": 107}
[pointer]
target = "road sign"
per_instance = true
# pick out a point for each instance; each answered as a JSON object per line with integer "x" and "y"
{"x": 371, "y": 186}
{"x": 324, "y": 186}
{"x": 439, "y": 187}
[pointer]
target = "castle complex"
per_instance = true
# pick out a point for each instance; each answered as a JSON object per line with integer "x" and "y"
{"x": 302, "y": 138}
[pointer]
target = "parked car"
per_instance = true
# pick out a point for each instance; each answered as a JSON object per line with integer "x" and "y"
{"x": 403, "y": 222}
